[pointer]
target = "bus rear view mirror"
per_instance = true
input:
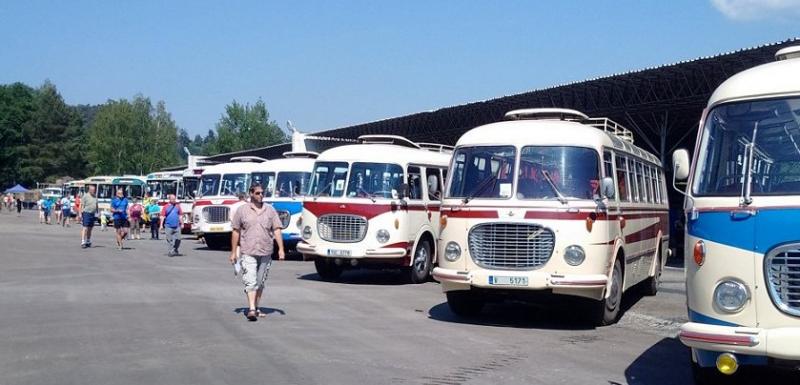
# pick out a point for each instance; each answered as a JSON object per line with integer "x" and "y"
{"x": 680, "y": 165}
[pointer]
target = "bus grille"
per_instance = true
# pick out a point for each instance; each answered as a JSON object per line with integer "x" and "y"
{"x": 516, "y": 246}
{"x": 342, "y": 228}
{"x": 285, "y": 218}
{"x": 782, "y": 269}
{"x": 216, "y": 214}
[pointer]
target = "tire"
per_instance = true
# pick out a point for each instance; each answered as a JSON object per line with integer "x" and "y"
{"x": 326, "y": 269}
{"x": 463, "y": 304}
{"x": 650, "y": 285}
{"x": 608, "y": 309}
{"x": 421, "y": 263}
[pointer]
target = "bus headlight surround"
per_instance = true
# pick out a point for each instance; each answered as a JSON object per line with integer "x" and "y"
{"x": 574, "y": 255}
{"x": 452, "y": 251}
{"x": 382, "y": 236}
{"x": 307, "y": 232}
{"x": 731, "y": 296}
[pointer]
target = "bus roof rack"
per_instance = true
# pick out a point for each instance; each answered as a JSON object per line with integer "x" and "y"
{"x": 247, "y": 158}
{"x": 436, "y": 147}
{"x": 611, "y": 127}
{"x": 545, "y": 113}
{"x": 301, "y": 154}
{"x": 387, "y": 139}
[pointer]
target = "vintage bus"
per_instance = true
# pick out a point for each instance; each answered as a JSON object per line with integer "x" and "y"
{"x": 219, "y": 186}
{"x": 104, "y": 190}
{"x": 742, "y": 204}
{"x": 74, "y": 188}
{"x": 285, "y": 183}
{"x": 551, "y": 201}
{"x": 161, "y": 184}
{"x": 133, "y": 186}
{"x": 376, "y": 204}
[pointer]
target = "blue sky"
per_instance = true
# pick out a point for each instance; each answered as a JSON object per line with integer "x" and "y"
{"x": 332, "y": 64}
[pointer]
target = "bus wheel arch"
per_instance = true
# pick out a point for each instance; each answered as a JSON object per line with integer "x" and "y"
{"x": 422, "y": 258}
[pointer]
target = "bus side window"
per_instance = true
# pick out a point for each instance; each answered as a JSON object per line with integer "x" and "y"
{"x": 634, "y": 184}
{"x": 414, "y": 183}
{"x": 434, "y": 179}
{"x": 622, "y": 179}
{"x": 608, "y": 167}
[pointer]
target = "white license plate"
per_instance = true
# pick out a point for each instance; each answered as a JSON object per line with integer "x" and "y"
{"x": 215, "y": 229}
{"x": 504, "y": 280}
{"x": 338, "y": 253}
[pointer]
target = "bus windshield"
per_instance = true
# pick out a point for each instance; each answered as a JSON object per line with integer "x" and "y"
{"x": 159, "y": 189}
{"x": 209, "y": 184}
{"x": 369, "y": 180}
{"x": 104, "y": 191}
{"x": 328, "y": 179}
{"x": 292, "y": 183}
{"x": 482, "y": 172}
{"x": 190, "y": 188}
{"x": 573, "y": 170}
{"x": 266, "y": 180}
{"x": 770, "y": 128}
{"x": 234, "y": 184}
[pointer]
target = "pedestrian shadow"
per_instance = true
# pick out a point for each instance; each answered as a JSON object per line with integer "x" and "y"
{"x": 264, "y": 310}
{"x": 518, "y": 315}
{"x": 669, "y": 362}
{"x": 363, "y": 277}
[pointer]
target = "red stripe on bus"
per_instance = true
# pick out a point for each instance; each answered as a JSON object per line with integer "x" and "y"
{"x": 471, "y": 214}
{"x": 208, "y": 203}
{"x": 644, "y": 234}
{"x": 366, "y": 210}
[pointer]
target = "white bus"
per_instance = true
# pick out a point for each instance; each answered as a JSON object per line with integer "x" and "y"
{"x": 285, "y": 183}
{"x": 375, "y": 204}
{"x": 551, "y": 201}
{"x": 742, "y": 243}
{"x": 104, "y": 190}
{"x": 74, "y": 188}
{"x": 219, "y": 186}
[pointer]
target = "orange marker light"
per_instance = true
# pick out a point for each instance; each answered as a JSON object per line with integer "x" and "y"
{"x": 699, "y": 253}
{"x": 589, "y": 224}
{"x": 443, "y": 221}
{"x": 397, "y": 224}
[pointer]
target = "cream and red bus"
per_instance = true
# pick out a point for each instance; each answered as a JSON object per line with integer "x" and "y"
{"x": 375, "y": 204}
{"x": 742, "y": 244}
{"x": 219, "y": 186}
{"x": 551, "y": 202}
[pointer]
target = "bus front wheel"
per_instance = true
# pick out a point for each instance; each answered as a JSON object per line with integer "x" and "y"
{"x": 609, "y": 308}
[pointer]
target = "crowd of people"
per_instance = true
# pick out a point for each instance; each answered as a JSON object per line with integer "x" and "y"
{"x": 256, "y": 229}
{"x": 10, "y": 203}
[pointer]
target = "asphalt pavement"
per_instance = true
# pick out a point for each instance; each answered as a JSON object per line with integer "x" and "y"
{"x": 136, "y": 316}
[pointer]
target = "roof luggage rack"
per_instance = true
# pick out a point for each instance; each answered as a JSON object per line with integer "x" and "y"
{"x": 567, "y": 114}
{"x": 256, "y": 159}
{"x": 387, "y": 139}
{"x": 301, "y": 154}
{"x": 436, "y": 147}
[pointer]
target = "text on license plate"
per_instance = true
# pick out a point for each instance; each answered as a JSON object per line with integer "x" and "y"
{"x": 215, "y": 229}
{"x": 508, "y": 280}
{"x": 338, "y": 253}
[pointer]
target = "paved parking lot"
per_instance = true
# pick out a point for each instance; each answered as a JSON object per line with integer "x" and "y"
{"x": 103, "y": 316}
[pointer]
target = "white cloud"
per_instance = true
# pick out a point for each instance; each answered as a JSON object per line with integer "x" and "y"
{"x": 757, "y": 9}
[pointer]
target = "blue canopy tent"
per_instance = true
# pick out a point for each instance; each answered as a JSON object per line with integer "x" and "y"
{"x": 18, "y": 189}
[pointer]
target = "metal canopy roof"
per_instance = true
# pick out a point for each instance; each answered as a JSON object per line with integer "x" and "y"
{"x": 662, "y": 105}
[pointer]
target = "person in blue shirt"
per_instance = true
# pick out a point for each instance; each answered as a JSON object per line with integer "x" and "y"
{"x": 171, "y": 222}
{"x": 119, "y": 209}
{"x": 47, "y": 205}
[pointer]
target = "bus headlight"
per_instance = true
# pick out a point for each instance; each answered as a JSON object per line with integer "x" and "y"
{"x": 307, "y": 232}
{"x": 574, "y": 255}
{"x": 382, "y": 236}
{"x": 731, "y": 296}
{"x": 196, "y": 218}
{"x": 452, "y": 251}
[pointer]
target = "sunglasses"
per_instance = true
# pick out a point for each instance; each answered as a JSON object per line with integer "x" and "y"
{"x": 258, "y": 193}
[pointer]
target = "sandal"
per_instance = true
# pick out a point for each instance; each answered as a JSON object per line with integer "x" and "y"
{"x": 251, "y": 315}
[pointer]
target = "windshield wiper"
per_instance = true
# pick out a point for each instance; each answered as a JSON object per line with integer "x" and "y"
{"x": 323, "y": 190}
{"x": 559, "y": 195}
{"x": 481, "y": 188}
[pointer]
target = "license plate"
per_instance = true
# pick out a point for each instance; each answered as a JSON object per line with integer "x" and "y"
{"x": 504, "y": 280}
{"x": 215, "y": 229}
{"x": 338, "y": 253}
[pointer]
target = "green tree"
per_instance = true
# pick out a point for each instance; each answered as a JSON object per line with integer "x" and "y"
{"x": 16, "y": 108}
{"x": 244, "y": 126}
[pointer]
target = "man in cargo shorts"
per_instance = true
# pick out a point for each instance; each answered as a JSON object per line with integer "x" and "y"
{"x": 88, "y": 213}
{"x": 255, "y": 227}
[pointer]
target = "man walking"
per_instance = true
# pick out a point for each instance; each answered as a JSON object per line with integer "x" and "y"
{"x": 154, "y": 212}
{"x": 65, "y": 211}
{"x": 119, "y": 207}
{"x": 172, "y": 221}
{"x": 255, "y": 227}
{"x": 88, "y": 213}
{"x": 19, "y": 207}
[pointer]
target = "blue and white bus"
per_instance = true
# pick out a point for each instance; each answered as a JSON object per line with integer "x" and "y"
{"x": 742, "y": 243}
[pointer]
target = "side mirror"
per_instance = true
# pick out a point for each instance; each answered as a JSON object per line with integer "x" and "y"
{"x": 607, "y": 187}
{"x": 680, "y": 165}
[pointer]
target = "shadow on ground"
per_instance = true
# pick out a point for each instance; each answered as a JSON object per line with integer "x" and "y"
{"x": 266, "y": 310}
{"x": 364, "y": 277}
